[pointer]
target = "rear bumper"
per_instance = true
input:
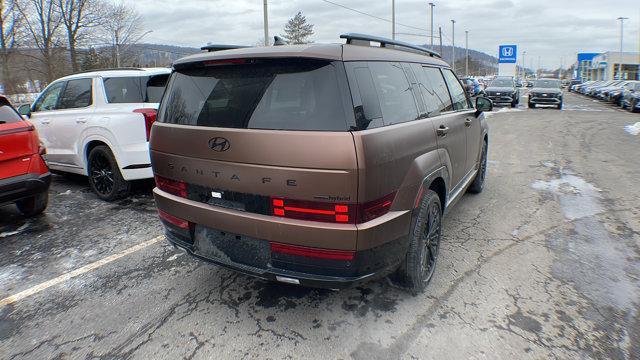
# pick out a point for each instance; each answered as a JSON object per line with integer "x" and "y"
{"x": 23, "y": 186}
{"x": 135, "y": 162}
{"x": 243, "y": 242}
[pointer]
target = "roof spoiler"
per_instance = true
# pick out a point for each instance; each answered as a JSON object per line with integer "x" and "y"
{"x": 358, "y": 39}
{"x": 220, "y": 47}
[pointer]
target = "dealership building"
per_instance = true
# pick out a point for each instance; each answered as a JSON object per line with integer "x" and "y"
{"x": 605, "y": 66}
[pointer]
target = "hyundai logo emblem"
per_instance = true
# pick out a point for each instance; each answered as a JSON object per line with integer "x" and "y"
{"x": 507, "y": 51}
{"x": 219, "y": 144}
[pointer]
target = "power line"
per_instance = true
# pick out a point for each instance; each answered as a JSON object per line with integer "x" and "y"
{"x": 371, "y": 15}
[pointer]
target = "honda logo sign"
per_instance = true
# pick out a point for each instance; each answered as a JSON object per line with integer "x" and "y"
{"x": 507, "y": 54}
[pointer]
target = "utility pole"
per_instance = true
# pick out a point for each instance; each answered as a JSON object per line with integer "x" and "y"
{"x": 622, "y": 19}
{"x": 431, "y": 5}
{"x": 440, "y": 37}
{"x": 393, "y": 19}
{"x": 524, "y": 73}
{"x": 453, "y": 45}
{"x": 538, "y": 72}
{"x": 466, "y": 60}
{"x": 266, "y": 24}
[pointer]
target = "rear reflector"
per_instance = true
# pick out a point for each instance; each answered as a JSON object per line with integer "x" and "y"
{"x": 345, "y": 255}
{"x": 182, "y": 224}
{"x": 175, "y": 187}
{"x": 149, "y": 118}
{"x": 376, "y": 208}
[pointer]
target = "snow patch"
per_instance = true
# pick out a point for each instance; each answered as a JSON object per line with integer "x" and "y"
{"x": 633, "y": 129}
{"x": 68, "y": 192}
{"x": 16, "y": 231}
{"x": 578, "y": 198}
{"x": 502, "y": 110}
{"x": 175, "y": 256}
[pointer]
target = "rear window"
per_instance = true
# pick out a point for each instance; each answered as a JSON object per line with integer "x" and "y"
{"x": 7, "y": 114}
{"x": 135, "y": 89}
{"x": 292, "y": 94}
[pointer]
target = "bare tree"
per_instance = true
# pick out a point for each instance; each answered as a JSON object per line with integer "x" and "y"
{"x": 79, "y": 17}
{"x": 42, "y": 23}
{"x": 9, "y": 23}
{"x": 123, "y": 27}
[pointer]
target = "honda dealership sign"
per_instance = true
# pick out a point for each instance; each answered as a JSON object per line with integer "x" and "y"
{"x": 507, "y": 54}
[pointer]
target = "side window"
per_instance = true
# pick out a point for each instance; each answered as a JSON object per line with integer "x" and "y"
{"x": 49, "y": 99}
{"x": 459, "y": 97}
{"x": 124, "y": 90}
{"x": 415, "y": 88}
{"x": 369, "y": 97}
{"x": 7, "y": 114}
{"x": 394, "y": 91}
{"x": 77, "y": 94}
{"x": 435, "y": 92}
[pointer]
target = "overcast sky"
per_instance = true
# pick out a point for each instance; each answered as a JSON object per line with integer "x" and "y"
{"x": 549, "y": 29}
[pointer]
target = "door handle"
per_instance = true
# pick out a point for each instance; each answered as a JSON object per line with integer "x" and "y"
{"x": 45, "y": 121}
{"x": 442, "y": 130}
{"x": 81, "y": 121}
{"x": 468, "y": 122}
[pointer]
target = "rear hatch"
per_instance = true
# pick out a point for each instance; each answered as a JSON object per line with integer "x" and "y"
{"x": 263, "y": 136}
{"x": 16, "y": 142}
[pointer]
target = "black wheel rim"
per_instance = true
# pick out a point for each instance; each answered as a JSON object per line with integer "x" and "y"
{"x": 101, "y": 174}
{"x": 431, "y": 235}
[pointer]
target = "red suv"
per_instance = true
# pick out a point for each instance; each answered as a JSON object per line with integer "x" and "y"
{"x": 24, "y": 176}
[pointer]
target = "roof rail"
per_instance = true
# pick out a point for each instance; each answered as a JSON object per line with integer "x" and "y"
{"x": 385, "y": 41}
{"x": 220, "y": 47}
{"x": 108, "y": 69}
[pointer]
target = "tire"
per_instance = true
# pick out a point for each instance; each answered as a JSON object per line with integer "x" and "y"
{"x": 104, "y": 175}
{"x": 532, "y": 106}
{"x": 477, "y": 185}
{"x": 33, "y": 205}
{"x": 632, "y": 105}
{"x": 514, "y": 104}
{"x": 559, "y": 106}
{"x": 417, "y": 269}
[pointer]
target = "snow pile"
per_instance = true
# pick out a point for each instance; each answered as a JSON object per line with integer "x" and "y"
{"x": 502, "y": 110}
{"x": 633, "y": 129}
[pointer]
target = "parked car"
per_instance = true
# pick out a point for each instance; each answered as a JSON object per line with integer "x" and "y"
{"x": 572, "y": 85}
{"x": 602, "y": 93}
{"x": 503, "y": 90}
{"x": 546, "y": 92}
{"x": 322, "y": 165}
{"x": 630, "y": 96}
{"x": 24, "y": 176}
{"x": 97, "y": 124}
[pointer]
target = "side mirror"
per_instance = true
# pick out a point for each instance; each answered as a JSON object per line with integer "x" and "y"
{"x": 483, "y": 104}
{"x": 25, "y": 110}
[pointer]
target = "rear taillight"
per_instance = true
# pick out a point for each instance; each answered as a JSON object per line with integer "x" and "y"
{"x": 345, "y": 255}
{"x": 224, "y": 62}
{"x": 175, "y": 187}
{"x": 331, "y": 212}
{"x": 176, "y": 221}
{"x": 312, "y": 210}
{"x": 149, "y": 118}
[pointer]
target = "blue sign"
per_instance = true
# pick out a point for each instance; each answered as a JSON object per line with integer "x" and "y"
{"x": 1, "y": 89}
{"x": 507, "y": 54}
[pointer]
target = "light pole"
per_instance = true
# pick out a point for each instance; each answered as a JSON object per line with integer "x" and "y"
{"x": 266, "y": 24}
{"x": 466, "y": 57}
{"x": 393, "y": 19}
{"x": 524, "y": 72}
{"x": 453, "y": 45}
{"x": 622, "y": 19}
{"x": 431, "y": 5}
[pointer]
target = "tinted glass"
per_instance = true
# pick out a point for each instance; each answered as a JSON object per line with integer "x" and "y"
{"x": 435, "y": 92}
{"x": 369, "y": 98}
{"x": 501, "y": 83}
{"x": 458, "y": 95}
{"x": 77, "y": 94}
{"x": 49, "y": 99}
{"x": 8, "y": 115}
{"x": 135, "y": 89}
{"x": 547, "y": 84}
{"x": 394, "y": 91}
{"x": 269, "y": 94}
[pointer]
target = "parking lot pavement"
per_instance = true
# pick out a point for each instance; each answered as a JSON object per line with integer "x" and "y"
{"x": 544, "y": 263}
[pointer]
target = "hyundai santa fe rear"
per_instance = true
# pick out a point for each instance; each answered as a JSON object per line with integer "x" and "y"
{"x": 312, "y": 164}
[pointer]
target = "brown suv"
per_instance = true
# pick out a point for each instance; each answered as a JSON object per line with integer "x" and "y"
{"x": 321, "y": 165}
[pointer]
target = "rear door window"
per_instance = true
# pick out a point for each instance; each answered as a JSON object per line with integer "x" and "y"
{"x": 77, "y": 94}
{"x": 394, "y": 92}
{"x": 435, "y": 92}
{"x": 458, "y": 95}
{"x": 291, "y": 94}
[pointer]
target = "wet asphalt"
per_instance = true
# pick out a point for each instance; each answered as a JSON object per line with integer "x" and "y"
{"x": 545, "y": 263}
